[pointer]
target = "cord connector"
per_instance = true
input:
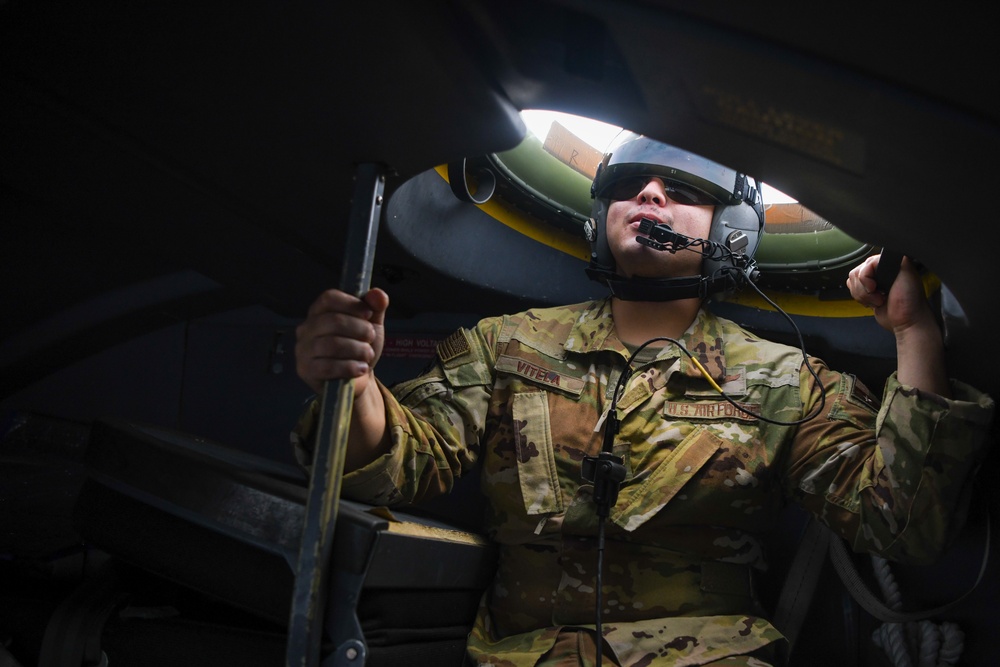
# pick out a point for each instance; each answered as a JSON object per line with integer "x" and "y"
{"x": 606, "y": 472}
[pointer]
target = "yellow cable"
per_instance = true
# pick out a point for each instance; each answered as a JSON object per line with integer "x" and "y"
{"x": 704, "y": 372}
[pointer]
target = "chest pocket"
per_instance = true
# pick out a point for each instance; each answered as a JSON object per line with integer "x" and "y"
{"x": 536, "y": 463}
{"x": 640, "y": 502}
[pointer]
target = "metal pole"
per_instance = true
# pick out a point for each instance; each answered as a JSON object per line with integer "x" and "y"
{"x": 305, "y": 628}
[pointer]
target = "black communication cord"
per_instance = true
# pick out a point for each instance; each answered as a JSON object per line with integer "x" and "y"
{"x": 742, "y": 271}
{"x": 607, "y": 471}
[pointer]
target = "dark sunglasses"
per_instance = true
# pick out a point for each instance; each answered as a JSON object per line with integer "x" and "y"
{"x": 627, "y": 188}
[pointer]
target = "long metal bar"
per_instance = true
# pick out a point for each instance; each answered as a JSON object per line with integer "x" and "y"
{"x": 305, "y": 628}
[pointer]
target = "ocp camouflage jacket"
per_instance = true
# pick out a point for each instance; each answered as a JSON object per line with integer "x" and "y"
{"x": 523, "y": 399}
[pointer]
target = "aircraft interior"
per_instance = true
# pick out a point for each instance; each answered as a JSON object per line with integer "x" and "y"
{"x": 178, "y": 182}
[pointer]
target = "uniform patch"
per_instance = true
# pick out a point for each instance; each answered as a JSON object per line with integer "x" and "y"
{"x": 710, "y": 410}
{"x": 861, "y": 395}
{"x": 454, "y": 346}
{"x": 540, "y": 374}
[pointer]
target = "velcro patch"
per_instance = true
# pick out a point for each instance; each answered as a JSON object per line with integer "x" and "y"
{"x": 861, "y": 395}
{"x": 454, "y": 346}
{"x": 540, "y": 374}
{"x": 711, "y": 410}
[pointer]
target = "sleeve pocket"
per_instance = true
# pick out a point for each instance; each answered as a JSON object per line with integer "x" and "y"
{"x": 536, "y": 463}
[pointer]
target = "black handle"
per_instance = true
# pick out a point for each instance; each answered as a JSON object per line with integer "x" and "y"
{"x": 306, "y": 622}
{"x": 887, "y": 269}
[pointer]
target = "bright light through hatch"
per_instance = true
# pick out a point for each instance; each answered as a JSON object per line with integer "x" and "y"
{"x": 596, "y": 133}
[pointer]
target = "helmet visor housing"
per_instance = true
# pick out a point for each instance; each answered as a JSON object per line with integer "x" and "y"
{"x": 696, "y": 180}
{"x": 682, "y": 193}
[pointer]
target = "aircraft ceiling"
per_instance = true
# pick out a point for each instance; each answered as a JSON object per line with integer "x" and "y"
{"x": 160, "y": 160}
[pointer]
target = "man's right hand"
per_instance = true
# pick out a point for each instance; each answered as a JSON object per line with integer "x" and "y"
{"x": 341, "y": 338}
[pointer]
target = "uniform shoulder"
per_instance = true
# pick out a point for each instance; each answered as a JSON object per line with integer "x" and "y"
{"x": 546, "y": 329}
{"x": 554, "y": 314}
{"x": 747, "y": 345}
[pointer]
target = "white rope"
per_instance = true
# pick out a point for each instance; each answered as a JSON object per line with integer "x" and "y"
{"x": 954, "y": 642}
{"x": 925, "y": 643}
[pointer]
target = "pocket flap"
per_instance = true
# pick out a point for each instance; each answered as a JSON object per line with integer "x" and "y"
{"x": 536, "y": 463}
{"x": 637, "y": 504}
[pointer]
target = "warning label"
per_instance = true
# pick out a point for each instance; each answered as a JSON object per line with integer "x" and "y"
{"x": 410, "y": 346}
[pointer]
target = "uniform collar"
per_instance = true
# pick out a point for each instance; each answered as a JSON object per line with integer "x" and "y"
{"x": 705, "y": 341}
{"x": 594, "y": 329}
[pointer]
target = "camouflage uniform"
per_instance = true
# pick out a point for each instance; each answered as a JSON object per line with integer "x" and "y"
{"x": 526, "y": 396}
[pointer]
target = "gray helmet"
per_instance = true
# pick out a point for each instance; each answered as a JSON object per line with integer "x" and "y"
{"x": 736, "y": 228}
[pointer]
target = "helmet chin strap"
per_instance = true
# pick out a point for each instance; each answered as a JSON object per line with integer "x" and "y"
{"x": 659, "y": 289}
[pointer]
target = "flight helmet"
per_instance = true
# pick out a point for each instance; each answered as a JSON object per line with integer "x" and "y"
{"x": 735, "y": 232}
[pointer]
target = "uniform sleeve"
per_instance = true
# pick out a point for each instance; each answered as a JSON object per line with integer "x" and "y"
{"x": 891, "y": 480}
{"x": 436, "y": 423}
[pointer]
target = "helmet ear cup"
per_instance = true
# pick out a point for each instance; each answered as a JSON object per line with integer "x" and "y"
{"x": 741, "y": 217}
{"x": 600, "y": 251}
